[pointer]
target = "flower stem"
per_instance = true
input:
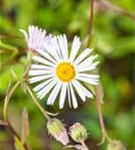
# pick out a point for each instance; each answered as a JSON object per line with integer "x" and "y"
{"x": 98, "y": 101}
{"x": 36, "y": 102}
{"x": 108, "y": 5}
{"x": 7, "y": 99}
{"x": 90, "y": 26}
{"x": 84, "y": 145}
{"x": 25, "y": 79}
{"x": 101, "y": 120}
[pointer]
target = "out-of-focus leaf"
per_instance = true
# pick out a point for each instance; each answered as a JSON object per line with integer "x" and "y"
{"x": 93, "y": 128}
{"x": 25, "y": 126}
{"x": 124, "y": 126}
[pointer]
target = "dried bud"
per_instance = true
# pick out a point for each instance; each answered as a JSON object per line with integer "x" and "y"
{"x": 115, "y": 145}
{"x": 58, "y": 131}
{"x": 78, "y": 133}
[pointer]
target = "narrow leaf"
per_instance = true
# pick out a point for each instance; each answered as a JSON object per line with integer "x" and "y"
{"x": 25, "y": 126}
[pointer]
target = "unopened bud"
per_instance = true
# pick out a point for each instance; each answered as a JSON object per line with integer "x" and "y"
{"x": 115, "y": 145}
{"x": 58, "y": 131}
{"x": 78, "y": 133}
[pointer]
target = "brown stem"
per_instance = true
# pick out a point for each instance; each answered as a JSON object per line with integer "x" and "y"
{"x": 100, "y": 114}
{"x": 117, "y": 9}
{"x": 90, "y": 26}
{"x": 16, "y": 134}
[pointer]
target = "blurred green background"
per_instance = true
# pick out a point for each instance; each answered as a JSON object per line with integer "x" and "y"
{"x": 113, "y": 40}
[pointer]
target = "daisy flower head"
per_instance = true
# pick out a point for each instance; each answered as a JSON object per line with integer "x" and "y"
{"x": 61, "y": 73}
{"x": 35, "y": 37}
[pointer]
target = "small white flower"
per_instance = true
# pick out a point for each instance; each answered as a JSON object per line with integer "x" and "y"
{"x": 35, "y": 37}
{"x": 59, "y": 72}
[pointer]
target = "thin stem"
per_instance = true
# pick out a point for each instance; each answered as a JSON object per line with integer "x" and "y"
{"x": 25, "y": 79}
{"x": 36, "y": 102}
{"x": 117, "y": 9}
{"x": 6, "y": 101}
{"x": 101, "y": 120}
{"x": 90, "y": 27}
{"x": 84, "y": 145}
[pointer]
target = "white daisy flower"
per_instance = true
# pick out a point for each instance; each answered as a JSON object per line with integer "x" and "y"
{"x": 35, "y": 37}
{"x": 61, "y": 73}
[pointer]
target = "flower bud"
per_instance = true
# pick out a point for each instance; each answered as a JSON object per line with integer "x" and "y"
{"x": 78, "y": 133}
{"x": 58, "y": 131}
{"x": 115, "y": 145}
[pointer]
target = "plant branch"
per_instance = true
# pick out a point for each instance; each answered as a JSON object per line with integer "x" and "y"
{"x": 90, "y": 26}
{"x": 84, "y": 145}
{"x": 7, "y": 99}
{"x": 106, "y": 4}
{"x": 36, "y": 102}
{"x": 101, "y": 120}
{"x": 25, "y": 79}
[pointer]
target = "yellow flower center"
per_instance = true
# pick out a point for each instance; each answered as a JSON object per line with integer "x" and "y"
{"x": 65, "y": 71}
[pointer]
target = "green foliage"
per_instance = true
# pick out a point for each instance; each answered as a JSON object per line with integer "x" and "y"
{"x": 113, "y": 40}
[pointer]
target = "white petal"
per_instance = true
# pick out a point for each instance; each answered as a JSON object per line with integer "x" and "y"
{"x": 82, "y": 56}
{"x": 39, "y": 72}
{"x": 46, "y": 55}
{"x": 40, "y": 38}
{"x": 60, "y": 44}
{"x": 63, "y": 95}
{"x": 51, "y": 49}
{"x": 32, "y": 36}
{"x": 54, "y": 94}
{"x": 75, "y": 48}
{"x": 62, "y": 40}
{"x": 79, "y": 90}
{"x": 56, "y": 46}
{"x": 69, "y": 96}
{"x": 65, "y": 46}
{"x": 36, "y": 37}
{"x": 87, "y": 68}
{"x": 41, "y": 85}
{"x": 93, "y": 81}
{"x": 94, "y": 76}
{"x": 40, "y": 78}
{"x": 74, "y": 100}
{"x": 82, "y": 90}
{"x": 42, "y": 60}
{"x": 31, "y": 29}
{"x": 46, "y": 89}
{"x": 86, "y": 62}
